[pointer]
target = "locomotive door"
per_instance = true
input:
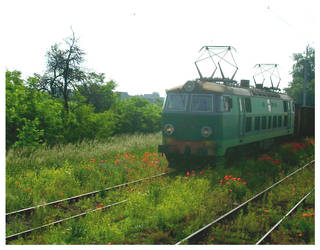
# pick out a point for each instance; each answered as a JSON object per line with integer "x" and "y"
{"x": 241, "y": 117}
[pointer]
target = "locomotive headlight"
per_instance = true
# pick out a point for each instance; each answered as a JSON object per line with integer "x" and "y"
{"x": 168, "y": 129}
{"x": 206, "y": 131}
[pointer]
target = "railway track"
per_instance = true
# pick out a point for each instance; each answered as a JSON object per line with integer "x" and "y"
{"x": 28, "y": 210}
{"x": 69, "y": 200}
{"x": 227, "y": 214}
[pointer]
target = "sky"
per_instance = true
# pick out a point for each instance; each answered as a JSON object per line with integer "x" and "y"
{"x": 150, "y": 46}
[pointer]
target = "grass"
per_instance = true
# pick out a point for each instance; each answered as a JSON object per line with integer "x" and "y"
{"x": 161, "y": 211}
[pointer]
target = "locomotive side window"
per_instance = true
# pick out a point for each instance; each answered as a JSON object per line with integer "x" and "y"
{"x": 263, "y": 122}
{"x": 285, "y": 121}
{"x": 176, "y": 102}
{"x": 248, "y": 124}
{"x": 285, "y": 106}
{"x": 274, "y": 121}
{"x": 225, "y": 104}
{"x": 256, "y": 123}
{"x": 247, "y": 103}
{"x": 279, "y": 121}
{"x": 269, "y": 122}
{"x": 269, "y": 105}
{"x": 202, "y": 103}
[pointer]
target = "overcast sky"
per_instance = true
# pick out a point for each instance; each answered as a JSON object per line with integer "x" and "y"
{"x": 148, "y": 46}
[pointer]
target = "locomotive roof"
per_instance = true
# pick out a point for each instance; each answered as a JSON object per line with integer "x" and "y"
{"x": 210, "y": 87}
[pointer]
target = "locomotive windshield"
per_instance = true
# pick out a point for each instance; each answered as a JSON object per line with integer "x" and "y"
{"x": 176, "y": 102}
{"x": 202, "y": 103}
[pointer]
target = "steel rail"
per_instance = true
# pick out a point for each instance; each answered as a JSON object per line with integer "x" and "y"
{"x": 277, "y": 224}
{"x": 84, "y": 195}
{"x": 241, "y": 205}
{"x": 16, "y": 235}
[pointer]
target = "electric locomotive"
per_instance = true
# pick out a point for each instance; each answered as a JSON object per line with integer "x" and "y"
{"x": 208, "y": 117}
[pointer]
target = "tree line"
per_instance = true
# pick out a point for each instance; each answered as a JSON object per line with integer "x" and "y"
{"x": 68, "y": 104}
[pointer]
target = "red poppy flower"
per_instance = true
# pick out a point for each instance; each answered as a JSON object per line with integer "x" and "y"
{"x": 188, "y": 173}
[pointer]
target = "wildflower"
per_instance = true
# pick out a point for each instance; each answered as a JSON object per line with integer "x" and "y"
{"x": 230, "y": 190}
{"x": 104, "y": 153}
{"x": 201, "y": 172}
{"x": 238, "y": 179}
{"x": 304, "y": 214}
{"x": 245, "y": 183}
{"x": 121, "y": 217}
{"x": 293, "y": 189}
{"x": 212, "y": 239}
{"x": 109, "y": 243}
{"x": 312, "y": 214}
{"x": 188, "y": 216}
{"x": 92, "y": 160}
{"x": 265, "y": 211}
{"x": 188, "y": 173}
{"x": 228, "y": 183}
{"x": 62, "y": 195}
{"x": 226, "y": 178}
{"x": 101, "y": 161}
{"x": 117, "y": 160}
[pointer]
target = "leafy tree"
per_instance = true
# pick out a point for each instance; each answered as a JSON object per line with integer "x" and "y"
{"x": 295, "y": 89}
{"x": 137, "y": 115}
{"x": 97, "y": 92}
{"x": 32, "y": 117}
{"x": 63, "y": 70}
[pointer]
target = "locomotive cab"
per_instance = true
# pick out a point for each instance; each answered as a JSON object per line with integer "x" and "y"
{"x": 192, "y": 120}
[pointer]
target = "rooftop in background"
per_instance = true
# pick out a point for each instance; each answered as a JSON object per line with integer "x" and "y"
{"x": 151, "y": 97}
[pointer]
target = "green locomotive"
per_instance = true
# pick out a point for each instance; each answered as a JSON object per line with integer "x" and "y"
{"x": 207, "y": 117}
